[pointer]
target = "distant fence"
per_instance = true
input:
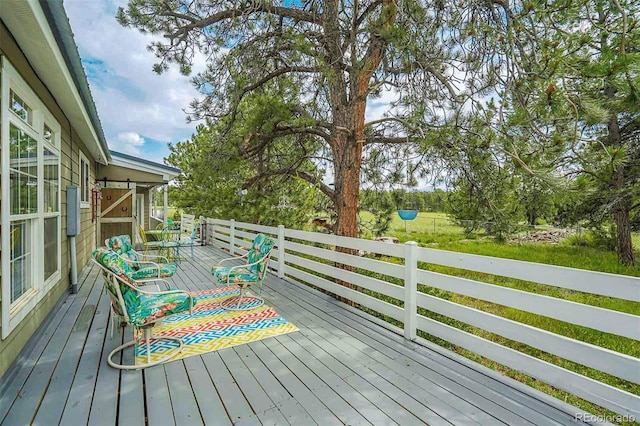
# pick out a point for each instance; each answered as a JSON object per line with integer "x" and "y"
{"x": 309, "y": 257}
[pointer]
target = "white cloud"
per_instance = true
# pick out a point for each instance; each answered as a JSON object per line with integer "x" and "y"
{"x": 128, "y": 143}
{"x": 131, "y": 99}
{"x": 376, "y": 108}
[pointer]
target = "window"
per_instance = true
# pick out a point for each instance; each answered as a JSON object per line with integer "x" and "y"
{"x": 31, "y": 190}
{"x": 23, "y": 169}
{"x": 85, "y": 180}
{"x": 21, "y": 259}
{"x": 20, "y": 108}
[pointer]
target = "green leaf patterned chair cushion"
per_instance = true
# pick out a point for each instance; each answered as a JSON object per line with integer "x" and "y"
{"x": 254, "y": 271}
{"x": 121, "y": 244}
{"x": 113, "y": 262}
{"x": 225, "y": 274}
{"x": 164, "y": 270}
{"x": 260, "y": 248}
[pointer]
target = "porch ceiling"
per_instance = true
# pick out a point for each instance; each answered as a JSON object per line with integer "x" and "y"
{"x": 143, "y": 172}
{"x": 141, "y": 178}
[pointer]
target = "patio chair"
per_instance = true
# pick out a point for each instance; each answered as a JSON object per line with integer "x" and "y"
{"x": 144, "y": 268}
{"x": 139, "y": 271}
{"x": 162, "y": 244}
{"x": 192, "y": 239}
{"x": 244, "y": 276}
{"x": 141, "y": 308}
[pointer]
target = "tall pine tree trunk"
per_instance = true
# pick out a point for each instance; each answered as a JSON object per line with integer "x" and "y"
{"x": 621, "y": 202}
{"x": 347, "y": 187}
{"x": 347, "y": 163}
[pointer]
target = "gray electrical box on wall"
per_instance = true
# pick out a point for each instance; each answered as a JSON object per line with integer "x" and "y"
{"x": 73, "y": 210}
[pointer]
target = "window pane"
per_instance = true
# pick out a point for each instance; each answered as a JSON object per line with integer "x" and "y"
{"x": 50, "y": 246}
{"x": 20, "y": 107}
{"x": 48, "y": 135}
{"x": 23, "y": 163}
{"x": 51, "y": 181}
{"x": 84, "y": 180}
{"x": 21, "y": 258}
{"x": 87, "y": 188}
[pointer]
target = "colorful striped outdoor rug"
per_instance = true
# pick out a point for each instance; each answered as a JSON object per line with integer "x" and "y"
{"x": 211, "y": 328}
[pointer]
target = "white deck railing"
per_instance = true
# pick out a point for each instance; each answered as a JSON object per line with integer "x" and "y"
{"x": 287, "y": 261}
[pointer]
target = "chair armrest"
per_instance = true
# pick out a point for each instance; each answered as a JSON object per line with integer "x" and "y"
{"x": 232, "y": 258}
{"x": 151, "y": 281}
{"x": 245, "y": 265}
{"x": 151, "y": 256}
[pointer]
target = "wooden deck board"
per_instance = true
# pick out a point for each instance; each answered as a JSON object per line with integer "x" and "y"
{"x": 209, "y": 402}
{"x": 295, "y": 386}
{"x": 104, "y": 404}
{"x": 253, "y": 392}
{"x": 131, "y": 404}
{"x": 15, "y": 378}
{"x": 347, "y": 349}
{"x": 55, "y": 398}
{"x": 183, "y": 401}
{"x": 234, "y": 401}
{"x": 312, "y": 359}
{"x": 392, "y": 367}
{"x": 281, "y": 398}
{"x": 78, "y": 405}
{"x": 435, "y": 379}
{"x": 26, "y": 405}
{"x": 340, "y": 368}
{"x": 478, "y": 383}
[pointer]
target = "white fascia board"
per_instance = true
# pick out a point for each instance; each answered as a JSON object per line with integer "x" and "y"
{"x": 131, "y": 164}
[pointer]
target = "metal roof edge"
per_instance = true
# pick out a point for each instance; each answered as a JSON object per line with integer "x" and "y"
{"x": 119, "y": 155}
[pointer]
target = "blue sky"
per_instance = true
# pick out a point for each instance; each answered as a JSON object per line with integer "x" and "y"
{"x": 140, "y": 111}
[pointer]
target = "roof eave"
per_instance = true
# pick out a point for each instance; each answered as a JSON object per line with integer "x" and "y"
{"x": 123, "y": 160}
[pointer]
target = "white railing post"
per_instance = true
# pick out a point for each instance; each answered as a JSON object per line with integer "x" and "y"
{"x": 232, "y": 240}
{"x": 280, "y": 251}
{"x": 211, "y": 232}
{"x": 410, "y": 289}
{"x": 203, "y": 230}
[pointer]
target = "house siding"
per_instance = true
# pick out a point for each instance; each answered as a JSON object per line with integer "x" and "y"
{"x": 11, "y": 346}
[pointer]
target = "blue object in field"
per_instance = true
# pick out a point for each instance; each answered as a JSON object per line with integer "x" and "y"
{"x": 407, "y": 214}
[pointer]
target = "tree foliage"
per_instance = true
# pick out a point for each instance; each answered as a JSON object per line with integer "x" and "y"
{"x": 213, "y": 178}
{"x": 539, "y": 92}
{"x": 339, "y": 56}
{"x": 577, "y": 100}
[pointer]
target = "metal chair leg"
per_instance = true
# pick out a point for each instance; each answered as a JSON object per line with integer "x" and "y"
{"x": 240, "y": 298}
{"x": 148, "y": 336}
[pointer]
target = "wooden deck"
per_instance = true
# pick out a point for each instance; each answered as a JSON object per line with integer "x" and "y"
{"x": 340, "y": 368}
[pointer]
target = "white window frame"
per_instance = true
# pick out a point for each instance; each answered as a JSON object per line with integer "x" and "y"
{"x": 85, "y": 187}
{"x": 14, "y": 313}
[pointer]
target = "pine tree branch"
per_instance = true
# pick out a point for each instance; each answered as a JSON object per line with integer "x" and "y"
{"x": 251, "y": 8}
{"x": 292, "y": 171}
